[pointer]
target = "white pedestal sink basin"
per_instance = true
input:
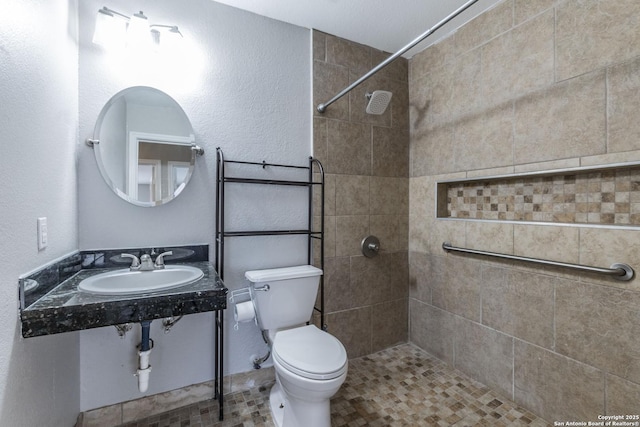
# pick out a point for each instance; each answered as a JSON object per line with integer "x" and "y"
{"x": 127, "y": 282}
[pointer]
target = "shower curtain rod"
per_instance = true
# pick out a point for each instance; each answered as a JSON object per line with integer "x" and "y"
{"x": 322, "y": 107}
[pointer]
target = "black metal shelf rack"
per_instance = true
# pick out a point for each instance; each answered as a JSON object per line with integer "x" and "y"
{"x": 221, "y": 233}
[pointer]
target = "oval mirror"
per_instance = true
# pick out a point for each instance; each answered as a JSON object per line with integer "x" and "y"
{"x": 144, "y": 146}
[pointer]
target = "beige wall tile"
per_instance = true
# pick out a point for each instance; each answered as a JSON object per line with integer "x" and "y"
{"x": 614, "y": 35}
{"x": 353, "y": 329}
{"x": 396, "y": 70}
{"x": 450, "y": 231}
{"x": 390, "y": 152}
{"x": 422, "y": 196}
{"x": 432, "y": 329}
{"x": 506, "y": 170}
{"x": 551, "y": 242}
{"x": 389, "y": 196}
{"x": 349, "y": 148}
{"x": 319, "y": 45}
{"x": 419, "y": 236}
{"x": 328, "y": 80}
{"x": 457, "y": 287}
{"x": 392, "y": 230}
{"x": 400, "y": 117}
{"x": 485, "y": 140}
{"x": 519, "y": 61}
{"x": 320, "y": 139}
{"x": 526, "y": 9}
{"x": 352, "y": 194}
{"x": 599, "y": 326}
{"x": 433, "y": 151}
{"x": 555, "y": 387}
{"x": 548, "y": 165}
{"x": 566, "y": 120}
{"x": 520, "y": 304}
{"x": 623, "y": 397}
{"x": 348, "y": 54}
{"x": 490, "y": 236}
{"x": 623, "y": 106}
{"x": 610, "y": 158}
{"x": 432, "y": 58}
{"x": 385, "y": 276}
{"x": 602, "y": 247}
{"x": 485, "y": 354}
{"x": 340, "y": 293}
{"x": 329, "y": 236}
{"x": 422, "y": 268}
{"x": 485, "y": 27}
{"x": 350, "y": 230}
{"x": 108, "y": 415}
{"x": 329, "y": 195}
{"x": 420, "y": 105}
{"x": 389, "y": 324}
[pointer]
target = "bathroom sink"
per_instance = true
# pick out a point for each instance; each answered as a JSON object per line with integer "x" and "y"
{"x": 127, "y": 282}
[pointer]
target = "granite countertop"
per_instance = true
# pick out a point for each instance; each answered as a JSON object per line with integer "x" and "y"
{"x": 64, "y": 308}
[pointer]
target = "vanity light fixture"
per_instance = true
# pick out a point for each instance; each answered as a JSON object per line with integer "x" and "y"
{"x": 116, "y": 29}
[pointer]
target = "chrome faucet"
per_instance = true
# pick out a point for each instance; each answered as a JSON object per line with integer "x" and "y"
{"x": 145, "y": 263}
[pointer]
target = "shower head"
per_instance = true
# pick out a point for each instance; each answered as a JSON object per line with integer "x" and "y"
{"x": 378, "y": 101}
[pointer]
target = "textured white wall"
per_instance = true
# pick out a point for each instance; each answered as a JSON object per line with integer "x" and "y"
{"x": 245, "y": 86}
{"x": 39, "y": 377}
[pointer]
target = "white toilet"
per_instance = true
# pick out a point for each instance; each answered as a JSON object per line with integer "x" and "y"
{"x": 310, "y": 364}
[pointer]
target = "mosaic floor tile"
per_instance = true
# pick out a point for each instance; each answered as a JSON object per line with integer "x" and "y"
{"x": 400, "y": 386}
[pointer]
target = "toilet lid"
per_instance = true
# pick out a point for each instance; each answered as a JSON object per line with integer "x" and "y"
{"x": 310, "y": 352}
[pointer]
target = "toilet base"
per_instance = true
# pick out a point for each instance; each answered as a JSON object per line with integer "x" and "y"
{"x": 276, "y": 403}
{"x": 307, "y": 414}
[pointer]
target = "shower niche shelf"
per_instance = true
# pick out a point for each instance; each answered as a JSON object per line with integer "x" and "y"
{"x": 589, "y": 196}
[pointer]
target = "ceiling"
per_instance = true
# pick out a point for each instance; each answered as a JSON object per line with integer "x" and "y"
{"x": 388, "y": 25}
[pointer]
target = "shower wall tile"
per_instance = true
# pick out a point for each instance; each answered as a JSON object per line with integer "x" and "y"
{"x": 320, "y": 145}
{"x": 485, "y": 140}
{"x": 389, "y": 196}
{"x": 396, "y": 70}
{"x": 486, "y": 354}
{"x": 348, "y": 54}
{"x": 432, "y": 58}
{"x": 555, "y": 387}
{"x": 547, "y": 165}
{"x": 352, "y": 194}
{"x": 441, "y": 231}
{"x": 350, "y": 230}
{"x": 400, "y": 117}
{"x": 353, "y": 329}
{"x": 389, "y": 324}
{"x": 492, "y": 237}
{"x": 420, "y": 106}
{"x": 319, "y": 46}
{"x": 329, "y": 194}
{"x": 390, "y": 152}
{"x": 329, "y": 236}
{"x": 547, "y": 242}
{"x": 603, "y": 247}
{"x": 611, "y": 158}
{"x": 432, "y": 329}
{"x": 519, "y": 304}
{"x": 485, "y": 27}
{"x": 328, "y": 80}
{"x": 349, "y": 147}
{"x": 622, "y": 396}
{"x": 573, "y": 117}
{"x": 517, "y": 62}
{"x": 340, "y": 292}
{"x": 430, "y": 144}
{"x": 384, "y": 276}
{"x": 422, "y": 268}
{"x": 392, "y": 230}
{"x": 457, "y": 289}
{"x": 599, "y": 325}
{"x": 622, "y": 108}
{"x": 526, "y": 9}
{"x": 616, "y": 39}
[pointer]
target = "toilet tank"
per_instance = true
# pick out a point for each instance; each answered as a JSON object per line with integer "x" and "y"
{"x": 290, "y": 297}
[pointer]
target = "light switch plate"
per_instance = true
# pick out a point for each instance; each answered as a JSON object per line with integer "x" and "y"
{"x": 42, "y": 233}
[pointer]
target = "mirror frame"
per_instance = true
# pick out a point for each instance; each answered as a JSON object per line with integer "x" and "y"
{"x": 132, "y": 149}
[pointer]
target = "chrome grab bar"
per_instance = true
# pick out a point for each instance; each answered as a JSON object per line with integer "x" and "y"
{"x": 618, "y": 271}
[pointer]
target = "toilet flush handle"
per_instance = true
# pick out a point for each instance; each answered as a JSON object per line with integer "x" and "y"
{"x": 264, "y": 288}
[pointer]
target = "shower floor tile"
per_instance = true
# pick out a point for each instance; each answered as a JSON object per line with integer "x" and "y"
{"x": 400, "y": 386}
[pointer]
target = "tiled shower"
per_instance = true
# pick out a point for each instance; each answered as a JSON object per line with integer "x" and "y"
{"x": 525, "y": 88}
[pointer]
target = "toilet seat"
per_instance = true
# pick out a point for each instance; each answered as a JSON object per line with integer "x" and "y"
{"x": 309, "y": 352}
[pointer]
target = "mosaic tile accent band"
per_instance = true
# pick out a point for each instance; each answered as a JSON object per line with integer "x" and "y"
{"x": 603, "y": 197}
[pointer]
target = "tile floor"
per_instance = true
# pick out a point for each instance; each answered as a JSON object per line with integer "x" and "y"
{"x": 400, "y": 386}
